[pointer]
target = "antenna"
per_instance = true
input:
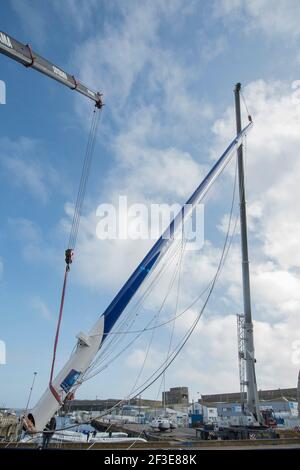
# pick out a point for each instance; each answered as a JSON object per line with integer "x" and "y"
{"x": 30, "y": 391}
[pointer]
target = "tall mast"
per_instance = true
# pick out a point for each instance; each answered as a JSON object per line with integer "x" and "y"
{"x": 252, "y": 395}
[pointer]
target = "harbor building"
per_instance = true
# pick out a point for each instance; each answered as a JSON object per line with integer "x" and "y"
{"x": 277, "y": 395}
{"x": 176, "y": 396}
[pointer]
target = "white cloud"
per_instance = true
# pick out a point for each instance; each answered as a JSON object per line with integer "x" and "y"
{"x": 277, "y": 292}
{"x": 32, "y": 19}
{"x": 272, "y": 163}
{"x": 135, "y": 72}
{"x": 209, "y": 362}
{"x": 275, "y": 367}
{"x": 115, "y": 58}
{"x": 272, "y": 193}
{"x": 26, "y": 230}
{"x": 41, "y": 308}
{"x": 146, "y": 168}
{"x": 152, "y": 173}
{"x": 143, "y": 358}
{"x": 146, "y": 174}
{"x": 79, "y": 14}
{"x": 26, "y": 167}
{"x": 277, "y": 18}
{"x": 32, "y": 240}
{"x": 213, "y": 48}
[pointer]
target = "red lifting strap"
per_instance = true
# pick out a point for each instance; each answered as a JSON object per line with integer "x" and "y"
{"x": 54, "y": 392}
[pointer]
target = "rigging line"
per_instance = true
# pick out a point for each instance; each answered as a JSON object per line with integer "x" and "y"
{"x": 88, "y": 170}
{"x": 100, "y": 365}
{"x": 177, "y": 298}
{"x": 163, "y": 381}
{"x": 176, "y": 304}
{"x": 104, "y": 357}
{"x": 132, "y": 314}
{"x": 190, "y": 331}
{"x": 194, "y": 302}
{"x": 129, "y": 344}
{"x": 115, "y": 332}
{"x": 178, "y": 264}
{"x": 155, "y": 277}
{"x": 202, "y": 293}
{"x": 192, "y": 328}
{"x": 184, "y": 340}
{"x": 164, "y": 323}
{"x": 174, "y": 353}
{"x": 84, "y": 178}
{"x": 97, "y": 371}
{"x": 171, "y": 319}
{"x": 220, "y": 266}
{"x": 148, "y": 291}
{"x": 145, "y": 295}
{"x": 226, "y": 165}
{"x": 163, "y": 377}
{"x": 246, "y": 107}
{"x": 82, "y": 181}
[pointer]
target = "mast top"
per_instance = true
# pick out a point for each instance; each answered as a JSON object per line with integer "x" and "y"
{"x": 238, "y": 86}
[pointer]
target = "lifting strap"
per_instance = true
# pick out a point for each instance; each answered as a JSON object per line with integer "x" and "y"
{"x": 62, "y": 301}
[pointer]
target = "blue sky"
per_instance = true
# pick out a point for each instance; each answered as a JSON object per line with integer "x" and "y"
{"x": 167, "y": 70}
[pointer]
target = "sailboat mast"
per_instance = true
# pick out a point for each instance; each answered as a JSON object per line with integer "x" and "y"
{"x": 252, "y": 395}
{"x": 89, "y": 344}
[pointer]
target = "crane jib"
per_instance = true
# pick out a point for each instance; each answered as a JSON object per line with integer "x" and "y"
{"x": 122, "y": 299}
{"x": 23, "y": 54}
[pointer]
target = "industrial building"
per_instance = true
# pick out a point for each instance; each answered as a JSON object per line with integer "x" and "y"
{"x": 176, "y": 396}
{"x": 280, "y": 394}
{"x": 280, "y": 407}
{"x": 279, "y": 404}
{"x": 101, "y": 405}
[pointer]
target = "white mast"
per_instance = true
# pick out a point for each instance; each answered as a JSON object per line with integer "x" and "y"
{"x": 88, "y": 345}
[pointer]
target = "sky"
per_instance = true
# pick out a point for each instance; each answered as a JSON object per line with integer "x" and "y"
{"x": 167, "y": 71}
